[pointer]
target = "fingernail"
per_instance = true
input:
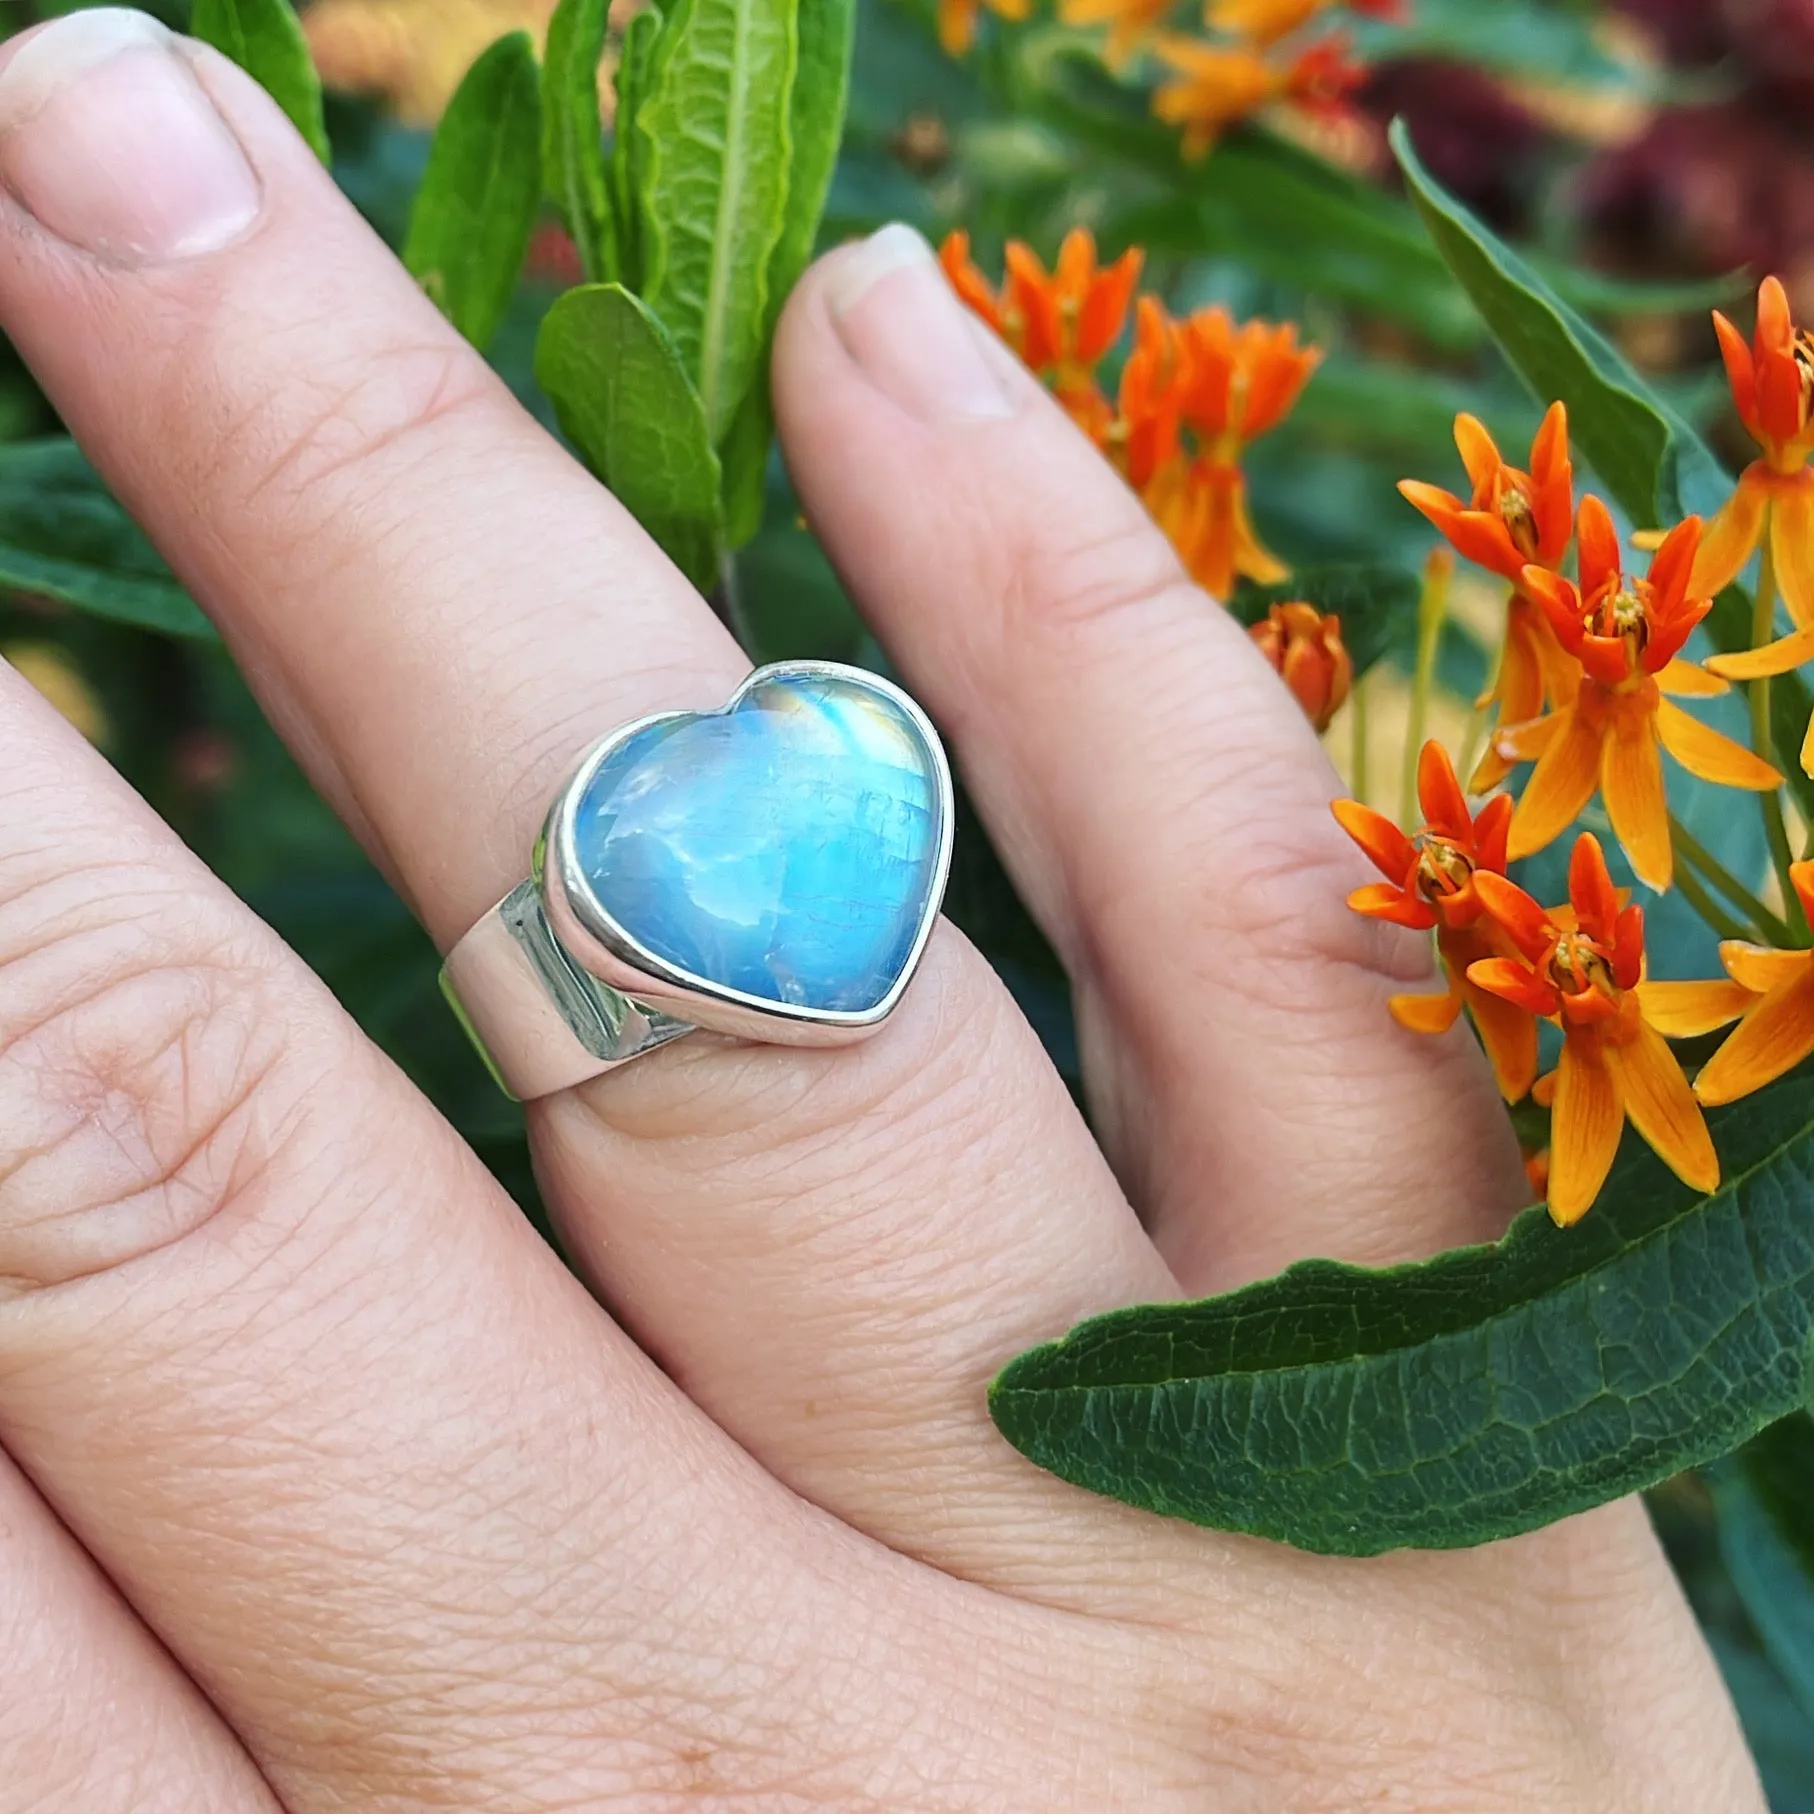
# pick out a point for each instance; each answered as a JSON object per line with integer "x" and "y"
{"x": 110, "y": 142}
{"x": 900, "y": 322}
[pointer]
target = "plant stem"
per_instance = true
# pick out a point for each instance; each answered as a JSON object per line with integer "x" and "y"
{"x": 1432, "y": 608}
{"x": 1705, "y": 867}
{"x": 1709, "y": 909}
{"x": 1776, "y": 831}
{"x": 1357, "y": 726}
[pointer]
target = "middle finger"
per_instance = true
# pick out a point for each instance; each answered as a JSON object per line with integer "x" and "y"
{"x": 831, "y": 1251}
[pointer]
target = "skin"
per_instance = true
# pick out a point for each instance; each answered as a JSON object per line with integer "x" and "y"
{"x": 331, "y": 1487}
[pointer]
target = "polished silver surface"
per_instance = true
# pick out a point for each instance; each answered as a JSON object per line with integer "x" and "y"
{"x": 553, "y": 990}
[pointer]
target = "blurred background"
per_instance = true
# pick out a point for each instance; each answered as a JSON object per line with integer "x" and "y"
{"x": 1654, "y": 156}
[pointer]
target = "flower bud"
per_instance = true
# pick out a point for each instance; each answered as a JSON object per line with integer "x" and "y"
{"x": 1306, "y": 648}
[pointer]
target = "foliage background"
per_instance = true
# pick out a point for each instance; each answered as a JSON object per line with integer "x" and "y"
{"x": 1642, "y": 150}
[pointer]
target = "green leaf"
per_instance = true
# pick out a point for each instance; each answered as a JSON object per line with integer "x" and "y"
{"x": 1766, "y": 1528}
{"x": 264, "y": 38}
{"x": 625, "y": 400}
{"x": 1377, "y": 605}
{"x": 1485, "y": 1392}
{"x": 574, "y": 170}
{"x": 63, "y": 537}
{"x": 713, "y": 154}
{"x": 826, "y": 29}
{"x": 1623, "y": 432}
{"x": 633, "y": 65}
{"x": 480, "y": 194}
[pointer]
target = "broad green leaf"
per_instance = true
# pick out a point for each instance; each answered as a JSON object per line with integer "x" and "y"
{"x": 815, "y": 129}
{"x": 634, "y": 62}
{"x": 713, "y": 153}
{"x": 264, "y": 38}
{"x": 1766, "y": 1525}
{"x": 482, "y": 190}
{"x": 1485, "y": 1392}
{"x": 1377, "y": 606}
{"x": 624, "y": 399}
{"x": 63, "y": 537}
{"x": 1646, "y": 454}
{"x": 825, "y": 30}
{"x": 573, "y": 137}
{"x": 1623, "y": 432}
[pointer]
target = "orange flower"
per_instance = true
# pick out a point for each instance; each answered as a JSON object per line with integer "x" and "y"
{"x": 1219, "y": 85}
{"x": 1626, "y": 633}
{"x": 1145, "y": 439}
{"x": 1514, "y": 518}
{"x": 1307, "y": 652}
{"x": 1265, "y": 22}
{"x": 1130, "y": 23}
{"x": 1231, "y": 385}
{"x": 1431, "y": 884}
{"x": 1582, "y": 967}
{"x": 1060, "y": 322}
{"x": 1771, "y": 380}
{"x": 957, "y": 20}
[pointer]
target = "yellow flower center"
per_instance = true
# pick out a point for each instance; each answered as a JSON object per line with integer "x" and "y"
{"x": 1443, "y": 868}
{"x": 1577, "y": 964}
{"x": 1520, "y": 521}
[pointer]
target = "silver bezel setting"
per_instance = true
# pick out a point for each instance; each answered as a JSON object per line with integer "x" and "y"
{"x": 606, "y": 950}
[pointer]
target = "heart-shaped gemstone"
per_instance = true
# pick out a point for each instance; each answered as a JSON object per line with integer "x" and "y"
{"x": 789, "y": 847}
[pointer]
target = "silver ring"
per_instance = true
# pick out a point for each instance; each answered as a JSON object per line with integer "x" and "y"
{"x": 770, "y": 870}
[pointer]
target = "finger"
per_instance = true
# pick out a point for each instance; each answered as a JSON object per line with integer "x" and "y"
{"x": 833, "y": 1251}
{"x": 94, "y": 1716}
{"x": 1158, "y": 797}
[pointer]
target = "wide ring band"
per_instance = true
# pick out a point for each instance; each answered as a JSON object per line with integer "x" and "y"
{"x": 770, "y": 870}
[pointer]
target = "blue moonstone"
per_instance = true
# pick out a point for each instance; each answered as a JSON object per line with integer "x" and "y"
{"x": 786, "y": 847}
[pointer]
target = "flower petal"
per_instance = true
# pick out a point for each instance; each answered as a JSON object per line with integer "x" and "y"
{"x": 1445, "y": 806}
{"x": 1783, "y": 656}
{"x": 1479, "y": 452}
{"x": 1687, "y": 1010}
{"x": 1761, "y": 968}
{"x": 1685, "y": 680}
{"x": 1513, "y": 982}
{"x": 1792, "y": 549}
{"x": 1387, "y": 901}
{"x": 1730, "y": 540}
{"x": 1708, "y": 755}
{"x": 1491, "y": 825}
{"x": 1741, "y": 372}
{"x": 1773, "y": 1038}
{"x": 1560, "y": 786}
{"x": 1508, "y": 1034}
{"x": 1391, "y": 852}
{"x": 1475, "y": 534}
{"x": 1426, "y": 1013}
{"x": 1631, "y": 783}
{"x": 1662, "y": 1107}
{"x": 1528, "y": 926}
{"x": 1599, "y": 545}
{"x": 1584, "y": 1128}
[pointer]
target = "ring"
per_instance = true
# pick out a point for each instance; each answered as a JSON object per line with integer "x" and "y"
{"x": 770, "y": 870}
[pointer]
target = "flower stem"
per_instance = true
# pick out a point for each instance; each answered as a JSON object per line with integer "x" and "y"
{"x": 1697, "y": 897}
{"x": 1700, "y": 865}
{"x": 1357, "y": 726}
{"x": 1432, "y": 609}
{"x": 1776, "y": 831}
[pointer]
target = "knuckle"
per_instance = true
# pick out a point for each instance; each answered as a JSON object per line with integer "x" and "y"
{"x": 307, "y": 437}
{"x": 136, "y": 1059}
{"x": 1083, "y": 583}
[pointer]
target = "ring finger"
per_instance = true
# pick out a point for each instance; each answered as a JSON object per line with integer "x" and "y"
{"x": 831, "y": 1251}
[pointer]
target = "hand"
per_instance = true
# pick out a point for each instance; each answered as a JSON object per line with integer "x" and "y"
{"x": 333, "y": 1487}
